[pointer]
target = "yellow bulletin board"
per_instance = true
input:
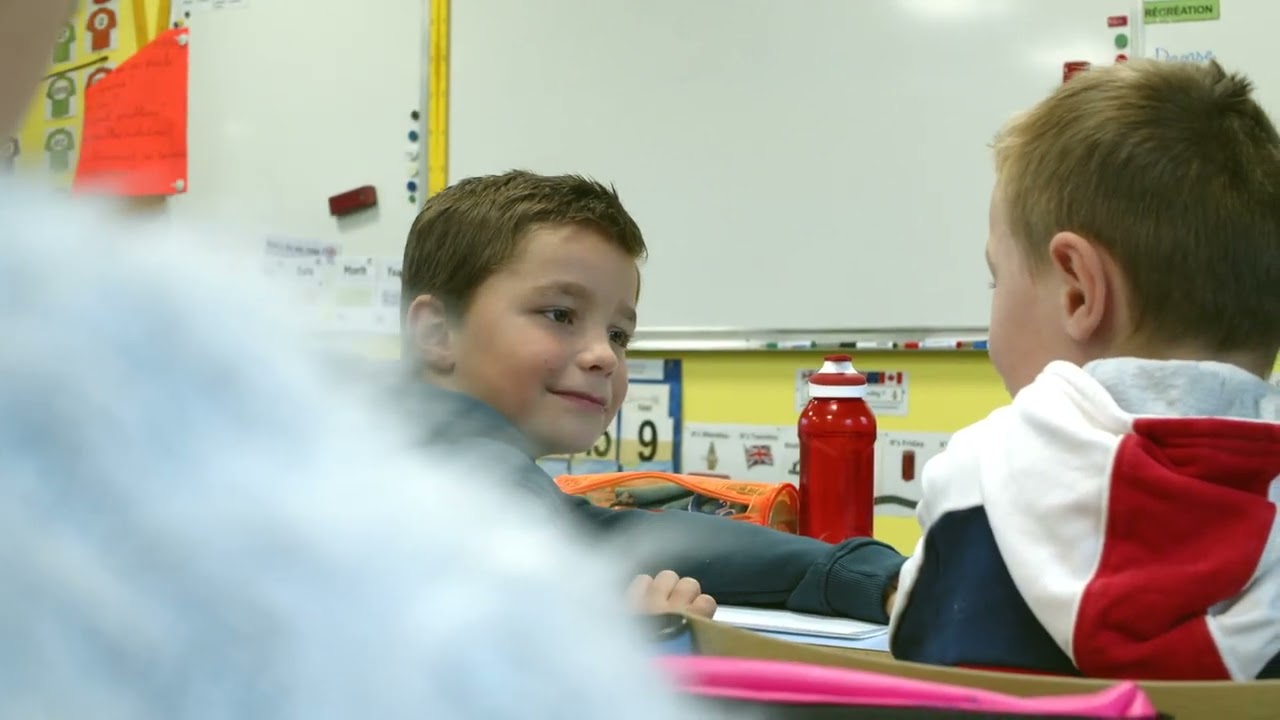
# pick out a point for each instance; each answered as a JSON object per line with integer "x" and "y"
{"x": 96, "y": 39}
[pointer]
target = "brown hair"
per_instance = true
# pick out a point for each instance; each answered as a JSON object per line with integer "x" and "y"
{"x": 1174, "y": 170}
{"x": 468, "y": 231}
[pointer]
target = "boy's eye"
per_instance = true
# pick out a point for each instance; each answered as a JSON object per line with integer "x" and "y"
{"x": 620, "y": 338}
{"x": 991, "y": 285}
{"x": 558, "y": 315}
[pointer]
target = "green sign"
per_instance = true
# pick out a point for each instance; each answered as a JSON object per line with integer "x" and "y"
{"x": 1172, "y": 11}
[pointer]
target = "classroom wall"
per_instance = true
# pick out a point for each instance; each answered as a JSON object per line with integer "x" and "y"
{"x": 946, "y": 391}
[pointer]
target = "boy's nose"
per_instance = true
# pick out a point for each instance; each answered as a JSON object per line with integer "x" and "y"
{"x": 598, "y": 355}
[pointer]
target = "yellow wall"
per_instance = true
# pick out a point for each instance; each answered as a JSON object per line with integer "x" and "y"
{"x": 946, "y": 392}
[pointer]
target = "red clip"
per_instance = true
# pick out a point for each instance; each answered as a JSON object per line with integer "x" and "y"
{"x": 1072, "y": 67}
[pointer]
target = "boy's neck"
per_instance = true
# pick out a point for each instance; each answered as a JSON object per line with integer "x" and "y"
{"x": 469, "y": 415}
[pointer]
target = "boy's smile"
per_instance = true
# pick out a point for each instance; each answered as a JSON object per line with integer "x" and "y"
{"x": 544, "y": 338}
{"x": 584, "y": 400}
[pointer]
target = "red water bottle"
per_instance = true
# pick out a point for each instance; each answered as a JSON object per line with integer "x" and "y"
{"x": 837, "y": 454}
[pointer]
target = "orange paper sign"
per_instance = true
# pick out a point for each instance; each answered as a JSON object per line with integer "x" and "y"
{"x": 134, "y": 140}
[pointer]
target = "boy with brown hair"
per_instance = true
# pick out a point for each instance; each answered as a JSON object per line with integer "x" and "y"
{"x": 519, "y": 299}
{"x": 1115, "y": 519}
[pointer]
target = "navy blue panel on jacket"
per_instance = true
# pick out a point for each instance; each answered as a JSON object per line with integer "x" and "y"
{"x": 736, "y": 563}
{"x": 1271, "y": 671}
{"x": 964, "y": 608}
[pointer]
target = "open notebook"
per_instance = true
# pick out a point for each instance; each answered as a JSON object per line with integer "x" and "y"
{"x": 794, "y": 623}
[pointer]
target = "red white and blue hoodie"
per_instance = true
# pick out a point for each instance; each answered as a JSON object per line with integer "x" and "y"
{"x": 1117, "y": 520}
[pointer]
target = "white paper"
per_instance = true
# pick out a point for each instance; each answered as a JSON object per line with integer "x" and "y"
{"x": 797, "y": 623}
{"x": 903, "y": 456}
{"x": 338, "y": 292}
{"x": 886, "y": 391}
{"x": 354, "y": 285}
{"x": 701, "y": 448}
{"x": 652, "y": 438}
{"x": 771, "y": 453}
{"x": 646, "y": 369}
{"x": 180, "y": 8}
{"x": 761, "y": 452}
{"x": 648, "y": 398}
{"x": 282, "y": 246}
{"x": 790, "y": 459}
{"x": 304, "y": 279}
{"x": 386, "y": 311}
{"x": 758, "y": 453}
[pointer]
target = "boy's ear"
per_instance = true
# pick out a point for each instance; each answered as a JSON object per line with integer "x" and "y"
{"x": 430, "y": 334}
{"x": 1088, "y": 290}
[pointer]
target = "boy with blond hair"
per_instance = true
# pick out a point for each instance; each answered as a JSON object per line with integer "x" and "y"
{"x": 1114, "y": 520}
{"x": 519, "y": 300}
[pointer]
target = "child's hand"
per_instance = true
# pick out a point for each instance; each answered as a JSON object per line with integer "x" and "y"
{"x": 890, "y": 597}
{"x": 669, "y": 593}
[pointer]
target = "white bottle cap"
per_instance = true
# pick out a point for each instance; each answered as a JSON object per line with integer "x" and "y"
{"x": 837, "y": 379}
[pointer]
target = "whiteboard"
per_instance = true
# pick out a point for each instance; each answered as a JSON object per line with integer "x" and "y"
{"x": 1233, "y": 40}
{"x": 294, "y": 101}
{"x": 795, "y": 164}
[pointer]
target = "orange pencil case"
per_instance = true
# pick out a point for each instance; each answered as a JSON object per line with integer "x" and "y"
{"x": 769, "y": 504}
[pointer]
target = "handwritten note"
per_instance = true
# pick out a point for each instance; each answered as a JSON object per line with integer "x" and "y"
{"x": 195, "y": 6}
{"x": 134, "y": 140}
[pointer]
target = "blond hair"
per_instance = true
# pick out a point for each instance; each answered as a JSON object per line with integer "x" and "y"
{"x": 1174, "y": 170}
